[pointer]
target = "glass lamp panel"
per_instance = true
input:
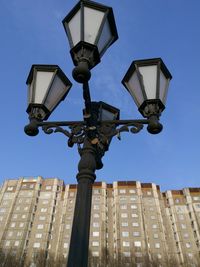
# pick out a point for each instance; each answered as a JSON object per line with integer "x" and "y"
{"x": 30, "y": 93}
{"x": 135, "y": 89}
{"x": 149, "y": 76}
{"x": 43, "y": 80}
{"x": 164, "y": 82}
{"x": 92, "y": 22}
{"x": 107, "y": 115}
{"x": 75, "y": 27}
{"x": 56, "y": 93}
{"x": 105, "y": 37}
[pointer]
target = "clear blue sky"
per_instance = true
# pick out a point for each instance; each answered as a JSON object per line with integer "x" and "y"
{"x": 32, "y": 33}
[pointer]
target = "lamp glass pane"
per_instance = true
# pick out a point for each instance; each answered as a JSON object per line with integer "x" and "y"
{"x": 135, "y": 90}
{"x": 75, "y": 28}
{"x": 43, "y": 80}
{"x": 105, "y": 36}
{"x": 56, "y": 93}
{"x": 164, "y": 82}
{"x": 30, "y": 93}
{"x": 107, "y": 115}
{"x": 92, "y": 22}
{"x": 149, "y": 76}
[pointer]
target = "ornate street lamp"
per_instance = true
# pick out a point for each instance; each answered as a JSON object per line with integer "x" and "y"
{"x": 91, "y": 29}
{"x": 147, "y": 81}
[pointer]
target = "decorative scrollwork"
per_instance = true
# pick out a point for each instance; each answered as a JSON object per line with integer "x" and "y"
{"x": 104, "y": 132}
{"x": 109, "y": 130}
{"x": 76, "y": 134}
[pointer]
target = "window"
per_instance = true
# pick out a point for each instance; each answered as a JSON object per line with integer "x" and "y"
{"x": 46, "y": 195}
{"x": 71, "y": 194}
{"x": 24, "y": 216}
{"x": 127, "y": 254}
{"x": 122, "y": 191}
{"x": 134, "y": 215}
{"x": 46, "y": 201}
{"x": 132, "y": 191}
{"x": 26, "y": 208}
{"x": 67, "y": 226}
{"x": 65, "y": 245}
{"x": 149, "y": 193}
{"x": 124, "y": 215}
{"x": 123, "y": 207}
{"x": 12, "y": 225}
{"x": 157, "y": 245}
{"x": 151, "y": 209}
{"x": 1, "y": 218}
{"x": 38, "y": 236}
{"x": 181, "y": 217}
{"x": 95, "y": 243}
{"x": 122, "y": 198}
{"x": 197, "y": 198}
{"x": 154, "y": 226}
{"x": 177, "y": 200}
{"x": 135, "y": 224}
{"x": 43, "y": 209}
{"x": 97, "y": 199}
{"x": 137, "y": 244}
{"x": 10, "y": 188}
{"x": 153, "y": 217}
{"x": 36, "y": 245}
{"x": 42, "y": 218}
{"x": 2, "y": 210}
{"x": 16, "y": 244}
{"x": 159, "y": 256}
{"x": 48, "y": 187}
{"x": 96, "y": 191}
{"x": 95, "y": 233}
{"x": 183, "y": 226}
{"x": 136, "y": 233}
{"x": 155, "y": 235}
{"x": 133, "y": 198}
{"x": 125, "y": 234}
{"x": 96, "y": 215}
{"x": 18, "y": 208}
{"x": 190, "y": 255}
{"x": 7, "y": 243}
{"x": 96, "y": 207}
{"x": 10, "y": 233}
{"x": 95, "y": 224}
{"x": 21, "y": 225}
{"x": 138, "y": 254}
{"x": 126, "y": 244}
{"x": 40, "y": 226}
{"x": 19, "y": 233}
{"x": 124, "y": 224}
{"x": 188, "y": 245}
{"x": 134, "y": 207}
{"x": 186, "y": 235}
{"x": 95, "y": 253}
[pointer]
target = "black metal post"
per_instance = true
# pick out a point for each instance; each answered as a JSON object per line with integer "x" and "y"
{"x": 79, "y": 244}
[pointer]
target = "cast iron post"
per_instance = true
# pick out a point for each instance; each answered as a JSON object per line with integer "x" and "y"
{"x": 79, "y": 244}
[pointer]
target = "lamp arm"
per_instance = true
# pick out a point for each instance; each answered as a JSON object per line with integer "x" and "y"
{"x": 100, "y": 135}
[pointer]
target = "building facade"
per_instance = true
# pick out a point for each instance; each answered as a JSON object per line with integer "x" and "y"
{"x": 132, "y": 223}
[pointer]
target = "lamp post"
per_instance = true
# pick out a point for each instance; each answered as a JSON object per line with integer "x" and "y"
{"x": 91, "y": 29}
